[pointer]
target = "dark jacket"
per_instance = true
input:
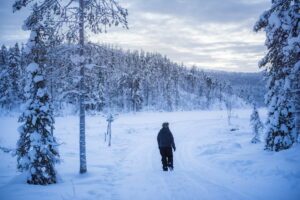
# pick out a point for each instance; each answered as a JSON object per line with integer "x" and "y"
{"x": 165, "y": 138}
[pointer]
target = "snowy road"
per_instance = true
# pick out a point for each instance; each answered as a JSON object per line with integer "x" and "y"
{"x": 211, "y": 163}
{"x": 188, "y": 181}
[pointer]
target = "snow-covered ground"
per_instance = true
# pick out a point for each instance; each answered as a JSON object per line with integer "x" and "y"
{"x": 211, "y": 162}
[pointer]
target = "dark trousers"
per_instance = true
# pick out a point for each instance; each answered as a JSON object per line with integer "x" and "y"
{"x": 166, "y": 156}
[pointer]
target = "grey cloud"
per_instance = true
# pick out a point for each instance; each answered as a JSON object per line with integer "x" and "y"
{"x": 203, "y": 11}
{"x": 234, "y": 47}
{"x": 177, "y": 28}
{"x": 183, "y": 42}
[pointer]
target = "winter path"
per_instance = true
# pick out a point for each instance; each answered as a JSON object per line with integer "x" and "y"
{"x": 210, "y": 163}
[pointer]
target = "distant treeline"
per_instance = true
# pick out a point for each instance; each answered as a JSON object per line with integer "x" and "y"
{"x": 125, "y": 81}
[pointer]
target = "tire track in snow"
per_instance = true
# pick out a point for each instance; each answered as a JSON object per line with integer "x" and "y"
{"x": 143, "y": 180}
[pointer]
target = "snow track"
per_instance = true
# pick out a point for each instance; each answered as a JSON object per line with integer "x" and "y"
{"x": 147, "y": 180}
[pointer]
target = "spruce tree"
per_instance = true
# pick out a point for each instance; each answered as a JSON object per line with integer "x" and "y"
{"x": 3, "y": 55}
{"x": 4, "y": 77}
{"x": 14, "y": 72}
{"x": 279, "y": 22}
{"x": 37, "y": 149}
{"x": 292, "y": 50}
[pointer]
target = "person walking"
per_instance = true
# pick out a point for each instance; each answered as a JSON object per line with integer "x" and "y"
{"x": 166, "y": 142}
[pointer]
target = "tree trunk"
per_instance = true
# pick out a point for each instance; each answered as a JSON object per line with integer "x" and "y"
{"x": 83, "y": 168}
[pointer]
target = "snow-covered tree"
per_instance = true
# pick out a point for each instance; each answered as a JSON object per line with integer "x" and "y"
{"x": 3, "y": 55}
{"x": 292, "y": 52}
{"x": 78, "y": 16}
{"x": 10, "y": 73}
{"x": 37, "y": 149}
{"x": 131, "y": 81}
{"x": 14, "y": 72}
{"x": 256, "y": 124}
{"x": 279, "y": 22}
{"x": 4, "y": 77}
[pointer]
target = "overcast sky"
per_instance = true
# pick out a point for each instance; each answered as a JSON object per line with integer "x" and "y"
{"x": 212, "y": 34}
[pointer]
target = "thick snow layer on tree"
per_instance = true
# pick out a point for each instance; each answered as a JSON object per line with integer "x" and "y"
{"x": 38, "y": 79}
{"x": 41, "y": 92}
{"x": 274, "y": 20}
{"x": 32, "y": 67}
{"x": 211, "y": 162}
{"x": 76, "y": 59}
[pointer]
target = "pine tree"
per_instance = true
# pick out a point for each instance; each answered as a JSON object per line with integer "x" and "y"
{"x": 278, "y": 23}
{"x": 256, "y": 125}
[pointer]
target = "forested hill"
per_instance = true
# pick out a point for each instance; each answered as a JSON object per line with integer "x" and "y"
{"x": 124, "y": 81}
{"x": 251, "y": 85}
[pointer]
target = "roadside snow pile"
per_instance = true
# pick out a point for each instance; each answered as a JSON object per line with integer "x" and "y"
{"x": 211, "y": 162}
